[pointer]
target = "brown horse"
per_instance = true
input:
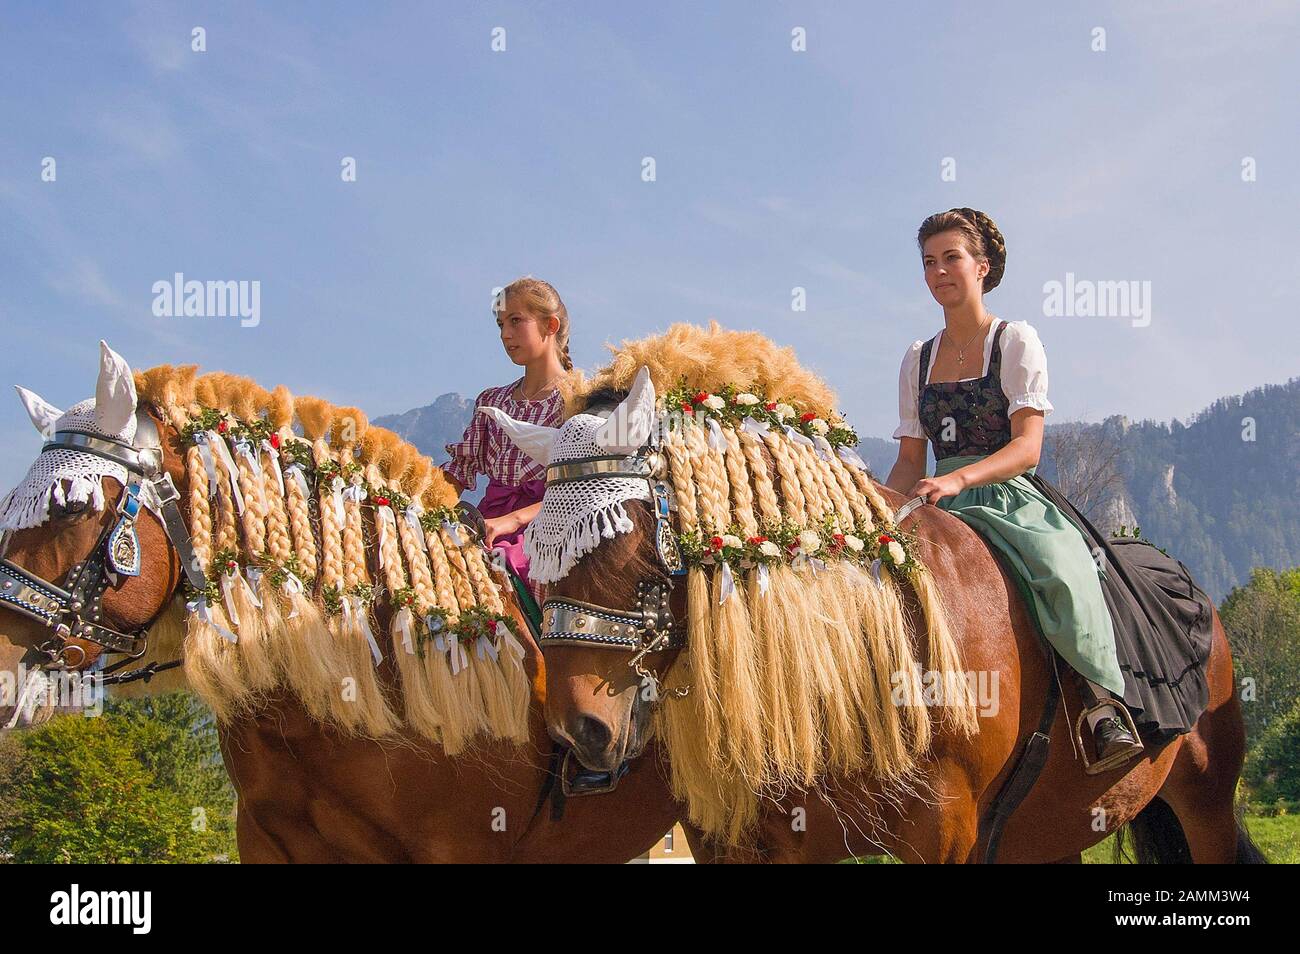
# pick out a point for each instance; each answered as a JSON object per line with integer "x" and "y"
{"x": 308, "y": 792}
{"x": 1178, "y": 799}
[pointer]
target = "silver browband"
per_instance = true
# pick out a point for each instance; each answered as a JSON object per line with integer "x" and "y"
{"x": 633, "y": 465}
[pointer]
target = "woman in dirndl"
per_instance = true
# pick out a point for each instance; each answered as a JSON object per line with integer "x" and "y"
{"x": 977, "y": 393}
{"x": 534, "y": 327}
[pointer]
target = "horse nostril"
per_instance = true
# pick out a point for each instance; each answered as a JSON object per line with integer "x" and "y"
{"x": 591, "y": 734}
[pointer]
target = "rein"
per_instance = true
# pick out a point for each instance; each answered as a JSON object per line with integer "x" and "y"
{"x": 76, "y": 611}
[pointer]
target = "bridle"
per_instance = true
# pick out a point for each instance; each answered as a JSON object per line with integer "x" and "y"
{"x": 74, "y": 610}
{"x": 649, "y": 626}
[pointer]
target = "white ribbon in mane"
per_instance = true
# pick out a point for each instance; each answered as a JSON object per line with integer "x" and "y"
{"x": 402, "y": 625}
{"x": 823, "y": 447}
{"x": 202, "y": 609}
{"x": 851, "y": 457}
{"x": 412, "y": 518}
{"x": 716, "y": 441}
{"x": 453, "y": 530}
{"x": 795, "y": 436}
{"x": 232, "y": 472}
{"x": 336, "y": 497}
{"x": 483, "y": 648}
{"x": 727, "y": 585}
{"x": 759, "y": 429}
{"x": 764, "y": 579}
{"x": 356, "y": 614}
{"x": 244, "y": 448}
{"x": 295, "y": 473}
{"x": 274, "y": 454}
{"x": 507, "y": 639}
{"x": 205, "y": 455}
{"x": 383, "y": 518}
{"x": 292, "y": 585}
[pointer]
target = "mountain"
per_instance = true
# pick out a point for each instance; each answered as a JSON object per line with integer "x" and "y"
{"x": 1219, "y": 492}
{"x": 431, "y": 427}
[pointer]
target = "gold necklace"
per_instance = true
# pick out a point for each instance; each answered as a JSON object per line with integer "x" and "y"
{"x": 539, "y": 390}
{"x": 961, "y": 351}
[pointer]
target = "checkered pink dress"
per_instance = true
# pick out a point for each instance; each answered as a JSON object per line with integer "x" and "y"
{"x": 485, "y": 448}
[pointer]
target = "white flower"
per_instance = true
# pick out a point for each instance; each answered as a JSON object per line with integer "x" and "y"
{"x": 818, "y": 426}
{"x": 746, "y": 398}
{"x": 730, "y": 540}
{"x": 714, "y": 402}
{"x": 809, "y": 541}
{"x": 853, "y": 543}
{"x": 896, "y": 553}
{"x": 768, "y": 548}
{"x": 782, "y": 411}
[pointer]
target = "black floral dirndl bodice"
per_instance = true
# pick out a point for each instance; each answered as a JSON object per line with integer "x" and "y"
{"x": 977, "y": 408}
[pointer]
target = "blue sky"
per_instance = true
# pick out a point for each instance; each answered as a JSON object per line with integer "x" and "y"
{"x": 775, "y": 169}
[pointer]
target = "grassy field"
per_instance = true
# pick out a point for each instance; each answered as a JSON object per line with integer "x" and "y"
{"x": 1278, "y": 836}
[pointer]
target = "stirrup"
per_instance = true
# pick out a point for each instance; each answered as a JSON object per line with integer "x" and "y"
{"x": 1119, "y": 758}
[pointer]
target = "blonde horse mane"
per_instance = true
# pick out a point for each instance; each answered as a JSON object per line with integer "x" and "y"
{"x": 299, "y": 547}
{"x": 794, "y": 678}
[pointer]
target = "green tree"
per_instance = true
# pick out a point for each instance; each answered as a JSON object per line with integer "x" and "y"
{"x": 142, "y": 782}
{"x": 1262, "y": 620}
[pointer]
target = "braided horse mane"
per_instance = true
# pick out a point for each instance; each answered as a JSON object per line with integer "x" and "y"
{"x": 795, "y": 684}
{"x": 296, "y": 576}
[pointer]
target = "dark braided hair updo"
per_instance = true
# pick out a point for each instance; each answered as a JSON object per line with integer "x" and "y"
{"x": 983, "y": 240}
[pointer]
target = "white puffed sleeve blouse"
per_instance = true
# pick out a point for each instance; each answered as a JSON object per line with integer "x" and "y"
{"x": 1023, "y": 378}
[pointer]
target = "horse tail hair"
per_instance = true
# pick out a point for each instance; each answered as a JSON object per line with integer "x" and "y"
{"x": 1157, "y": 837}
{"x": 1248, "y": 853}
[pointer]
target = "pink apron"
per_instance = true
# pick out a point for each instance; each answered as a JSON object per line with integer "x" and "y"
{"x": 501, "y": 499}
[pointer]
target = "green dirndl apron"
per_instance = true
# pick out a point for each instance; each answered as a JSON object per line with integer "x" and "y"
{"x": 1053, "y": 566}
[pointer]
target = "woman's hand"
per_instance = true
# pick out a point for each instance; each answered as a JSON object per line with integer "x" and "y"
{"x": 934, "y": 489}
{"x": 501, "y": 526}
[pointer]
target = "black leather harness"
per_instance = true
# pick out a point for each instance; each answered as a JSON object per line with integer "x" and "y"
{"x": 75, "y": 609}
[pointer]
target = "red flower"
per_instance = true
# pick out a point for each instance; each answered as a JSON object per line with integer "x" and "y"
{"x": 839, "y": 539}
{"x": 700, "y": 396}
{"x": 222, "y": 427}
{"x": 770, "y": 405}
{"x": 381, "y": 501}
{"x": 275, "y": 440}
{"x": 716, "y": 543}
{"x": 686, "y": 408}
{"x": 885, "y": 538}
{"x": 231, "y": 564}
{"x": 805, "y": 418}
{"x": 757, "y": 540}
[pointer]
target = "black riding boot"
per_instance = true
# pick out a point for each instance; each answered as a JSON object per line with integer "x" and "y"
{"x": 1114, "y": 743}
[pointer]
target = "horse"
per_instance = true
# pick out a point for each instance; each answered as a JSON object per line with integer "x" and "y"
{"x": 741, "y": 646}
{"x": 334, "y": 757}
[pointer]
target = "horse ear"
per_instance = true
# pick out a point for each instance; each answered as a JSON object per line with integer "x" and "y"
{"x": 41, "y": 411}
{"x": 535, "y": 440}
{"x": 630, "y": 424}
{"x": 115, "y": 396}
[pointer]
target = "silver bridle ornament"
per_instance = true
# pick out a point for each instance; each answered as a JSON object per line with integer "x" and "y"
{"x": 75, "y": 611}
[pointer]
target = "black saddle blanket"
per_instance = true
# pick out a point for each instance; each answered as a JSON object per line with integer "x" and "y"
{"x": 1163, "y": 626}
